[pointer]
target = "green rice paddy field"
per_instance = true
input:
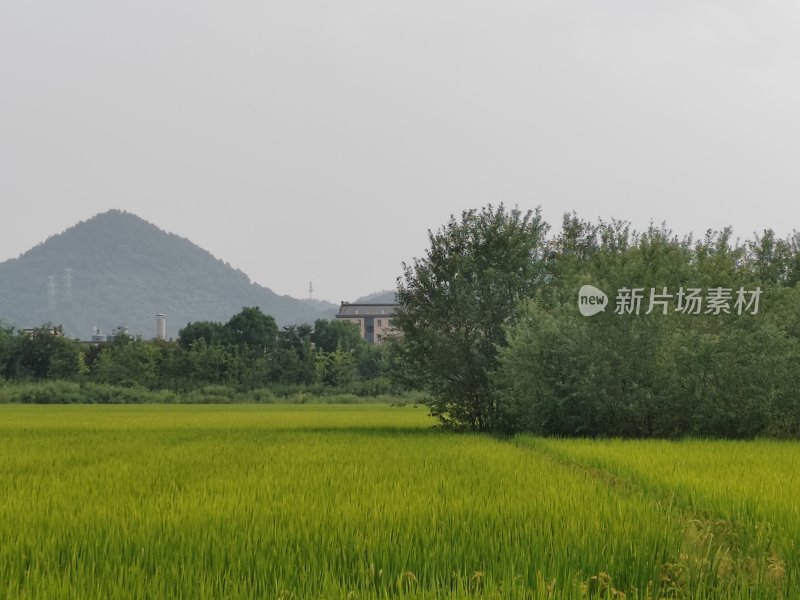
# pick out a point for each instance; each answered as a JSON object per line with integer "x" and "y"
{"x": 307, "y": 502}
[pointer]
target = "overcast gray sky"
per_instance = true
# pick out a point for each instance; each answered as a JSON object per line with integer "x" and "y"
{"x": 320, "y": 140}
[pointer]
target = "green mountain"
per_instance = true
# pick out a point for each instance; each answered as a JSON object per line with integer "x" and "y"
{"x": 117, "y": 269}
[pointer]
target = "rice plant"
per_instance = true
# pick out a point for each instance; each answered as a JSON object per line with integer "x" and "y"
{"x": 321, "y": 501}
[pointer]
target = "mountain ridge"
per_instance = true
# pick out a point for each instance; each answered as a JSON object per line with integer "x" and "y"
{"x": 118, "y": 269}
{"x": 381, "y": 297}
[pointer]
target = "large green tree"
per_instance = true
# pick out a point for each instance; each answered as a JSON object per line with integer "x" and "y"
{"x": 252, "y": 331}
{"x": 456, "y": 302}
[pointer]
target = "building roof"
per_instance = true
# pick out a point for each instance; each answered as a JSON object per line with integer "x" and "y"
{"x": 348, "y": 310}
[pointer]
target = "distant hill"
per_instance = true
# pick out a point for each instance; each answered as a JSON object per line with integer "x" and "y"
{"x": 383, "y": 297}
{"x": 117, "y": 269}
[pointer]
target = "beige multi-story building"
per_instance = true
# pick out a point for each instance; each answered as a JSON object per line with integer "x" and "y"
{"x": 374, "y": 320}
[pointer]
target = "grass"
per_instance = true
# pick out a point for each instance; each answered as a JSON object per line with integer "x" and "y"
{"x": 368, "y": 501}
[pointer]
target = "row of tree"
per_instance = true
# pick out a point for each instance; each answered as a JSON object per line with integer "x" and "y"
{"x": 247, "y": 352}
{"x": 695, "y": 337}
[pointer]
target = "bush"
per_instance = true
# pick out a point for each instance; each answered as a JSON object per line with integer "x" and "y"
{"x": 68, "y": 392}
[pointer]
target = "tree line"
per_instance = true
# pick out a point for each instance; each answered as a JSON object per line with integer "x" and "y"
{"x": 248, "y": 352}
{"x": 697, "y": 336}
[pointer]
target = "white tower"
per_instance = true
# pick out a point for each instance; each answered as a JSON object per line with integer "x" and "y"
{"x": 161, "y": 326}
